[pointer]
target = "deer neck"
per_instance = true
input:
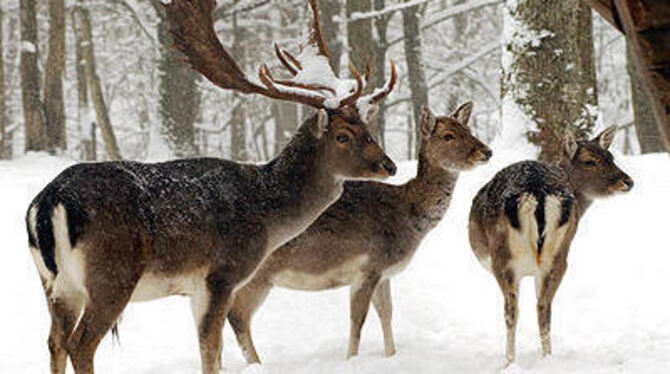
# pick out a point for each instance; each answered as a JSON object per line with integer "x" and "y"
{"x": 583, "y": 200}
{"x": 429, "y": 194}
{"x": 301, "y": 188}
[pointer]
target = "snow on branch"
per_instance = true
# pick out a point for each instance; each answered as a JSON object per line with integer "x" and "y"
{"x": 445, "y": 74}
{"x": 378, "y": 13}
{"x": 452, "y": 12}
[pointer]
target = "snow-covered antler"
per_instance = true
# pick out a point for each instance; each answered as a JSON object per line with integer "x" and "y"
{"x": 312, "y": 82}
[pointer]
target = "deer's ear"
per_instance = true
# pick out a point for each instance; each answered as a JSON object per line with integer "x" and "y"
{"x": 569, "y": 145}
{"x": 427, "y": 121}
{"x": 321, "y": 125}
{"x": 605, "y": 138}
{"x": 372, "y": 113}
{"x": 463, "y": 112}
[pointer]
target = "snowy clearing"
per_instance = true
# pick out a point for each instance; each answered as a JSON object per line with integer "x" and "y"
{"x": 611, "y": 314}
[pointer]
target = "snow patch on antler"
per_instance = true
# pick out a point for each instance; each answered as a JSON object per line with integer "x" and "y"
{"x": 316, "y": 70}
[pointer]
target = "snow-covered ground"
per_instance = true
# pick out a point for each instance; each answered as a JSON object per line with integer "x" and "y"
{"x": 611, "y": 314}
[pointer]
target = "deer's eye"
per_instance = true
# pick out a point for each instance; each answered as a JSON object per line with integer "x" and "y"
{"x": 590, "y": 163}
{"x": 448, "y": 137}
{"x": 368, "y": 139}
{"x": 342, "y": 138}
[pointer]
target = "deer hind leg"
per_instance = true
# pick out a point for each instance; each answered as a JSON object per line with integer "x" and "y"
{"x": 546, "y": 287}
{"x": 510, "y": 289}
{"x": 381, "y": 300}
{"x": 113, "y": 265}
{"x": 247, "y": 301}
{"x": 101, "y": 312}
{"x": 361, "y": 295}
{"x": 64, "y": 314}
{"x": 210, "y": 308}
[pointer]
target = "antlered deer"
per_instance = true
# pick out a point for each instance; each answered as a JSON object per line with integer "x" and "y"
{"x": 523, "y": 221}
{"x": 369, "y": 234}
{"x": 105, "y": 234}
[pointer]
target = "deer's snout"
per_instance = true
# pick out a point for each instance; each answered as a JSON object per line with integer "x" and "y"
{"x": 388, "y": 165}
{"x": 481, "y": 155}
{"x": 624, "y": 184}
{"x": 628, "y": 183}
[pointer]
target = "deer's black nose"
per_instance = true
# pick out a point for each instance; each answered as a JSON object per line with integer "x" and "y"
{"x": 628, "y": 181}
{"x": 388, "y": 165}
{"x": 487, "y": 153}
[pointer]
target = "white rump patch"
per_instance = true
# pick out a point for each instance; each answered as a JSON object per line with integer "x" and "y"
{"x": 71, "y": 264}
{"x": 523, "y": 241}
{"x": 526, "y": 259}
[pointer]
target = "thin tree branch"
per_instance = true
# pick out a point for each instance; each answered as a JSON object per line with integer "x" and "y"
{"x": 452, "y": 12}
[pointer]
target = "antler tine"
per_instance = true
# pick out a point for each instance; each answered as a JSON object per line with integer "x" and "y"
{"x": 388, "y": 87}
{"x": 284, "y": 62}
{"x": 351, "y": 99}
{"x": 192, "y": 29}
{"x": 266, "y": 78}
{"x": 315, "y": 36}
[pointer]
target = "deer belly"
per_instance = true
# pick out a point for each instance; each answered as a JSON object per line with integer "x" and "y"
{"x": 153, "y": 286}
{"x": 533, "y": 246}
{"x": 337, "y": 276}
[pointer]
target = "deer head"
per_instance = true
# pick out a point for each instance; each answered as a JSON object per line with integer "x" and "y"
{"x": 340, "y": 124}
{"x": 447, "y": 141}
{"x": 590, "y": 166}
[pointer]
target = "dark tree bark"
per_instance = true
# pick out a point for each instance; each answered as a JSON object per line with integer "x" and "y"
{"x": 33, "y": 109}
{"x": 95, "y": 89}
{"x": 379, "y": 63}
{"x": 365, "y": 49}
{"x": 4, "y": 141}
{"x": 180, "y": 96}
{"x": 285, "y": 114}
{"x": 646, "y": 128}
{"x": 87, "y": 143}
{"x": 54, "y": 108}
{"x": 552, "y": 78}
{"x": 415, "y": 70}
{"x": 646, "y": 25}
{"x": 359, "y": 34}
{"x": 286, "y": 123}
{"x": 331, "y": 30}
{"x": 238, "y": 149}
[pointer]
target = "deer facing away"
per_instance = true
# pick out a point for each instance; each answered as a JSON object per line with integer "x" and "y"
{"x": 105, "y": 234}
{"x": 369, "y": 234}
{"x": 523, "y": 221}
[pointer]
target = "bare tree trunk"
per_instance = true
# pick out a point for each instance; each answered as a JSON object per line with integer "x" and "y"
{"x": 645, "y": 123}
{"x": 238, "y": 126}
{"x": 379, "y": 66}
{"x": 87, "y": 143}
{"x": 551, "y": 77}
{"x": 359, "y": 34}
{"x": 4, "y": 141}
{"x": 415, "y": 70}
{"x": 330, "y": 9}
{"x": 285, "y": 113}
{"x": 54, "y": 108}
{"x": 33, "y": 110}
{"x": 94, "y": 88}
{"x": 179, "y": 95}
{"x": 286, "y": 123}
{"x": 365, "y": 49}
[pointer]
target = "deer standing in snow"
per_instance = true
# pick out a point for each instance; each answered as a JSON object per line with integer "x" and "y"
{"x": 369, "y": 234}
{"x": 523, "y": 221}
{"x": 105, "y": 234}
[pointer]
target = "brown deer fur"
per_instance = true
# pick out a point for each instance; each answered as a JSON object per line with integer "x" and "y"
{"x": 523, "y": 221}
{"x": 369, "y": 234}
